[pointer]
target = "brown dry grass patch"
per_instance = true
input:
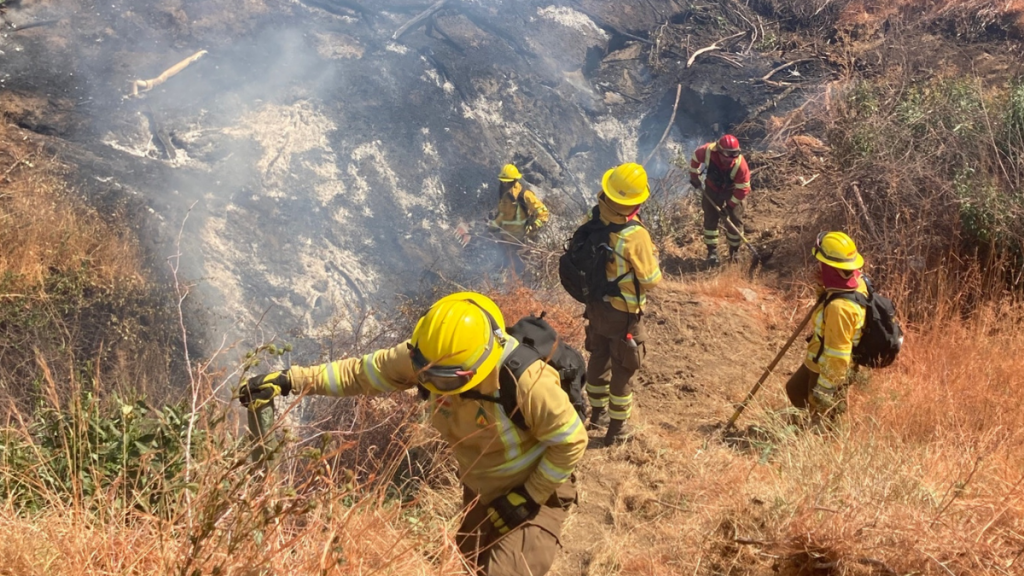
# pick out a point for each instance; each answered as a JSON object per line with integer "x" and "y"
{"x": 48, "y": 229}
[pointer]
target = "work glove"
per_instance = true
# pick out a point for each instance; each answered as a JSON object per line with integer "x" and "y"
{"x": 695, "y": 182}
{"x": 511, "y": 510}
{"x": 822, "y": 399}
{"x": 260, "y": 390}
{"x": 532, "y": 227}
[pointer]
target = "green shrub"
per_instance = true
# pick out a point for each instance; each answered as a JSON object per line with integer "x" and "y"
{"x": 92, "y": 449}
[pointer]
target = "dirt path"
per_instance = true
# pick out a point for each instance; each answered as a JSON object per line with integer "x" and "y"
{"x": 710, "y": 337}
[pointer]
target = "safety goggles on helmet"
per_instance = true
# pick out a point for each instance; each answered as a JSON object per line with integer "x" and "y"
{"x": 731, "y": 153}
{"x": 449, "y": 379}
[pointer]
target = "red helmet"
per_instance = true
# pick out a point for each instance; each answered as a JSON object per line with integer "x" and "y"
{"x": 728, "y": 143}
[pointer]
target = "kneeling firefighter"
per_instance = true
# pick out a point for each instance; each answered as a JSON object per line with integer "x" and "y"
{"x": 518, "y": 481}
{"x": 838, "y": 325}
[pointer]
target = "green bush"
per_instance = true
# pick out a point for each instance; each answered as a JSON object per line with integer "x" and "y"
{"x": 123, "y": 450}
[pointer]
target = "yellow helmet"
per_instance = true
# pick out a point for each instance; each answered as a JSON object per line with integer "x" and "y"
{"x": 838, "y": 251}
{"x": 626, "y": 184}
{"x": 457, "y": 343}
{"x": 508, "y": 173}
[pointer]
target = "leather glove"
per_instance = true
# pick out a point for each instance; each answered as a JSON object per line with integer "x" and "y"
{"x": 695, "y": 182}
{"x": 822, "y": 399}
{"x": 262, "y": 389}
{"x": 511, "y": 510}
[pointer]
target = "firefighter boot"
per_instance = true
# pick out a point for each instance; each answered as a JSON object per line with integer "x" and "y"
{"x": 712, "y": 260}
{"x": 598, "y": 419}
{"x": 619, "y": 432}
{"x": 733, "y": 250}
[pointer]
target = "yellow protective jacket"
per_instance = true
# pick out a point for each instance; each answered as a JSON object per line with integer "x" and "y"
{"x": 494, "y": 455}
{"x": 843, "y": 322}
{"x": 519, "y": 208}
{"x": 634, "y": 253}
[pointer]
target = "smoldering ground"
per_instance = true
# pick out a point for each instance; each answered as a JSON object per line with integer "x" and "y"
{"x": 322, "y": 163}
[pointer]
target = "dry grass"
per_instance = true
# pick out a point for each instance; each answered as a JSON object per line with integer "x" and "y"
{"x": 923, "y": 476}
{"x": 47, "y": 229}
{"x": 970, "y": 19}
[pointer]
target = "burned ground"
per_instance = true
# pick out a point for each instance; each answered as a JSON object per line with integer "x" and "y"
{"x": 353, "y": 154}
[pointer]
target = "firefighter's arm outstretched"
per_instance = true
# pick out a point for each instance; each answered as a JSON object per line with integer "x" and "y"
{"x": 387, "y": 370}
{"x": 555, "y": 423}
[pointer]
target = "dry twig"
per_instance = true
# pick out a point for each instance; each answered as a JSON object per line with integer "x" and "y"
{"x": 671, "y": 120}
{"x": 718, "y": 45}
{"x": 147, "y": 85}
{"x": 418, "y": 19}
{"x": 783, "y": 67}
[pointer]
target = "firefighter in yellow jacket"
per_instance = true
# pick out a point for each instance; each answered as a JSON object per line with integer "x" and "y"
{"x": 518, "y": 484}
{"x": 520, "y": 213}
{"x": 838, "y": 323}
{"x": 615, "y": 334}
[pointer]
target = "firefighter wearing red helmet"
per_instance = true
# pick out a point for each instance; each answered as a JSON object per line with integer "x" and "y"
{"x": 720, "y": 169}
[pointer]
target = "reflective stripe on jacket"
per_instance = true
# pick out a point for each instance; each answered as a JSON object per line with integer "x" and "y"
{"x": 494, "y": 455}
{"x": 635, "y": 255}
{"x": 843, "y": 323}
{"x": 738, "y": 172}
{"x": 512, "y": 218}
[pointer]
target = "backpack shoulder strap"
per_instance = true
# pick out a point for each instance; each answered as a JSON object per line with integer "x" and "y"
{"x": 521, "y": 199}
{"x": 508, "y": 382}
{"x": 853, "y": 296}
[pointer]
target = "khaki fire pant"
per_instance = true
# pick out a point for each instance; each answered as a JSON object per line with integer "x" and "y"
{"x": 612, "y": 360}
{"x": 529, "y": 550}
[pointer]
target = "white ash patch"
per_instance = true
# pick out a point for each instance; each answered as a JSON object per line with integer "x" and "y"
{"x": 571, "y": 19}
{"x": 397, "y": 48}
{"x": 623, "y": 134}
{"x": 430, "y": 75}
{"x": 284, "y": 132}
{"x": 371, "y": 156}
{"x": 484, "y": 111}
{"x": 334, "y": 46}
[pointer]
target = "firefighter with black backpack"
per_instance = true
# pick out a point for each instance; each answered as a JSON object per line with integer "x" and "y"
{"x": 609, "y": 264}
{"x": 852, "y": 325}
{"x": 513, "y": 429}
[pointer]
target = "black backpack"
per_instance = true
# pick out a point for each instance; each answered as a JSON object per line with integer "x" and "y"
{"x": 881, "y": 338}
{"x": 537, "y": 341}
{"x": 581, "y": 269}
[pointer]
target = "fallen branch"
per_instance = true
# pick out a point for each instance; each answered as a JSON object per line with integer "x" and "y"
{"x": 783, "y": 67}
{"x": 671, "y": 120}
{"x": 715, "y": 46}
{"x": 38, "y": 24}
{"x": 867, "y": 217}
{"x": 418, "y": 19}
{"x": 605, "y": 25}
{"x": 772, "y": 103}
{"x": 728, "y": 60}
{"x": 147, "y": 85}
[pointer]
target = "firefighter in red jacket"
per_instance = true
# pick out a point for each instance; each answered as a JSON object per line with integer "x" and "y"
{"x": 726, "y": 179}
